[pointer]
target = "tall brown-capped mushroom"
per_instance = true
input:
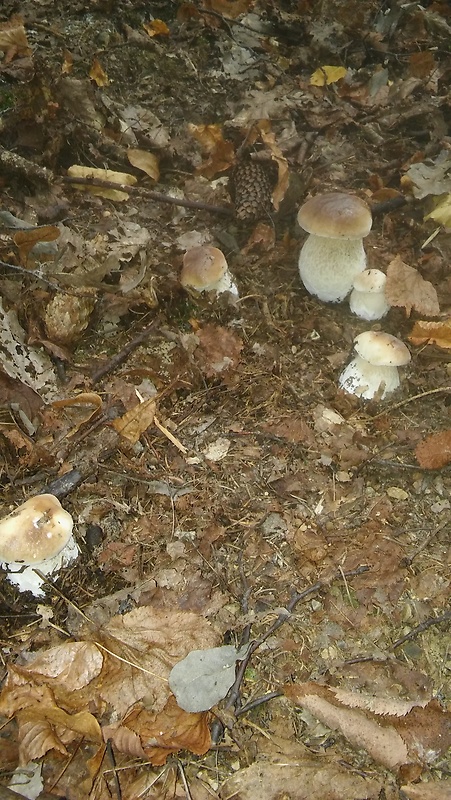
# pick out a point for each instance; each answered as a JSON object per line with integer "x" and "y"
{"x": 36, "y": 535}
{"x": 333, "y": 253}
{"x": 374, "y": 369}
{"x": 205, "y": 269}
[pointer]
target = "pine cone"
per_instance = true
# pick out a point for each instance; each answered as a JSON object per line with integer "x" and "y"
{"x": 251, "y": 186}
{"x": 67, "y": 316}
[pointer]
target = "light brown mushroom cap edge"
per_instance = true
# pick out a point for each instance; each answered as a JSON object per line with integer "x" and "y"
{"x": 202, "y": 266}
{"x": 336, "y": 215}
{"x": 35, "y": 531}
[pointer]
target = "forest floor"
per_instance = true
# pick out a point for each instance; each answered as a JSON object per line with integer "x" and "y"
{"x": 224, "y": 489}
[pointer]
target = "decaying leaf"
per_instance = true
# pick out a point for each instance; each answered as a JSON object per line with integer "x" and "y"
{"x": 438, "y": 333}
{"x": 142, "y": 159}
{"x": 135, "y": 421}
{"x": 300, "y": 779}
{"x": 88, "y": 403}
{"x": 13, "y": 38}
{"x": 417, "y": 737}
{"x": 219, "y": 350}
{"x": 156, "y": 28}
{"x": 98, "y": 74}
{"x": 430, "y": 790}
{"x": 434, "y": 451}
{"x": 405, "y": 287}
{"x": 324, "y": 76}
{"x": 27, "y": 240}
{"x": 431, "y": 178}
{"x": 220, "y": 151}
{"x": 268, "y": 137}
{"x": 123, "y": 178}
{"x": 441, "y": 212}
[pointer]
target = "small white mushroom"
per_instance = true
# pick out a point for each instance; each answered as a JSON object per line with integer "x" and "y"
{"x": 367, "y": 299}
{"x": 333, "y": 254}
{"x": 205, "y": 269}
{"x": 374, "y": 369}
{"x": 37, "y": 535}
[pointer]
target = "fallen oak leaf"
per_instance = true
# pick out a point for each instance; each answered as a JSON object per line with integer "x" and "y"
{"x": 405, "y": 287}
{"x": 438, "y": 333}
{"x": 135, "y": 421}
{"x": 434, "y": 451}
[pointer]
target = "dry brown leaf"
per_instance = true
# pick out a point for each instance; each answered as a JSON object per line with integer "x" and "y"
{"x": 438, "y": 333}
{"x": 268, "y": 137}
{"x": 406, "y": 288}
{"x": 73, "y": 665}
{"x": 135, "y": 421}
{"x": 26, "y": 240}
{"x": 147, "y": 162}
{"x": 378, "y": 738}
{"x": 434, "y": 451}
{"x": 220, "y": 151}
{"x": 219, "y": 350}
{"x": 123, "y": 178}
{"x": 262, "y": 239}
{"x": 303, "y": 779}
{"x": 13, "y": 39}
{"x": 432, "y": 790}
{"x": 228, "y": 8}
{"x": 98, "y": 74}
{"x": 169, "y": 730}
{"x": 156, "y": 28}
{"x": 89, "y": 400}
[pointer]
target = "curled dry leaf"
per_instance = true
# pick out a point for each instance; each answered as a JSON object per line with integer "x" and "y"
{"x": 13, "y": 39}
{"x": 221, "y": 153}
{"x": 438, "y": 333}
{"x": 28, "y": 239}
{"x": 406, "y": 288}
{"x": 98, "y": 74}
{"x": 147, "y": 162}
{"x": 434, "y": 451}
{"x": 135, "y": 421}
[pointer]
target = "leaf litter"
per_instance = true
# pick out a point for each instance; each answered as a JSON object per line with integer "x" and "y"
{"x": 217, "y": 468}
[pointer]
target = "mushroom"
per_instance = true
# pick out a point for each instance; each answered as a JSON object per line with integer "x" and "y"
{"x": 367, "y": 299}
{"x": 374, "y": 370}
{"x": 205, "y": 269}
{"x": 333, "y": 254}
{"x": 37, "y": 535}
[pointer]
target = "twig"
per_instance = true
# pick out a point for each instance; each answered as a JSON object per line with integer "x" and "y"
{"x": 150, "y": 194}
{"x": 411, "y": 399}
{"x": 16, "y": 164}
{"x": 112, "y": 760}
{"x": 233, "y": 695}
{"x": 423, "y": 626}
{"x": 122, "y": 356}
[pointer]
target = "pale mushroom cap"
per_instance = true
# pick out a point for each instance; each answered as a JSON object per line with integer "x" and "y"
{"x": 203, "y": 267}
{"x": 381, "y": 349}
{"x": 37, "y": 530}
{"x": 370, "y": 280}
{"x": 336, "y": 215}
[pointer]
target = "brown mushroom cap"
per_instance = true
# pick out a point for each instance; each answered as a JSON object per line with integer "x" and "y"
{"x": 202, "y": 266}
{"x": 35, "y": 531}
{"x": 335, "y": 215}
{"x": 381, "y": 349}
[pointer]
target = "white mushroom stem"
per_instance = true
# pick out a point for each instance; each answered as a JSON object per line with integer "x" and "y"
{"x": 366, "y": 380}
{"x": 26, "y": 578}
{"x": 328, "y": 266}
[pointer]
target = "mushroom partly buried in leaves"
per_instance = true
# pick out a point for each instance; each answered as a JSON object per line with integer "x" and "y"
{"x": 36, "y": 536}
{"x": 367, "y": 299}
{"x": 205, "y": 269}
{"x": 333, "y": 253}
{"x": 374, "y": 369}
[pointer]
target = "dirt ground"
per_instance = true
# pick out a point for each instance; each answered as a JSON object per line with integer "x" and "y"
{"x": 257, "y": 501}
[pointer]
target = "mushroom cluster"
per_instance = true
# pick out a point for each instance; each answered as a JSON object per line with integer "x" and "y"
{"x": 36, "y": 536}
{"x": 333, "y": 253}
